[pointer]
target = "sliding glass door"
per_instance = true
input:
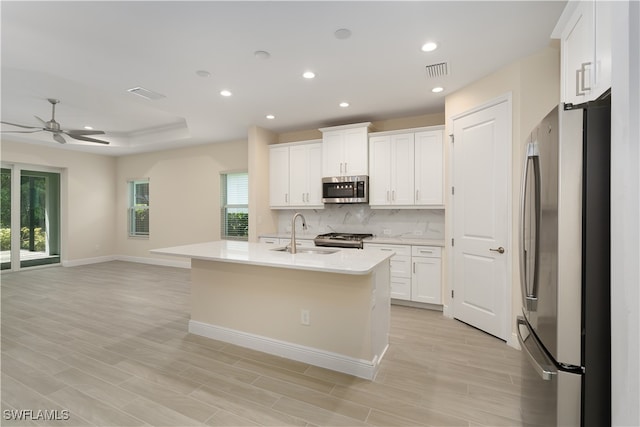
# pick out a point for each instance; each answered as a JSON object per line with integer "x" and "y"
{"x": 31, "y": 222}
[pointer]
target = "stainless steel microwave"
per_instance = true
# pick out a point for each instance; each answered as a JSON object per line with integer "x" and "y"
{"x": 345, "y": 189}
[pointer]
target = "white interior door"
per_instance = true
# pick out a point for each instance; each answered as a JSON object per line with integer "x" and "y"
{"x": 481, "y": 247}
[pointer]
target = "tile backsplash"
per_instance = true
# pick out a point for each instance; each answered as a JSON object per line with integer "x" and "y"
{"x": 357, "y": 218}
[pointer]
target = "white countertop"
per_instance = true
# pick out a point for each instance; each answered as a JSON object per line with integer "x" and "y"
{"x": 344, "y": 261}
{"x": 389, "y": 240}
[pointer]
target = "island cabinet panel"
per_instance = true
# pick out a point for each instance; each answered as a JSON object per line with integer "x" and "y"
{"x": 261, "y": 308}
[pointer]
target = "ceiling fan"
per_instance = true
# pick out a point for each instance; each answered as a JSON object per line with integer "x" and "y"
{"x": 54, "y": 127}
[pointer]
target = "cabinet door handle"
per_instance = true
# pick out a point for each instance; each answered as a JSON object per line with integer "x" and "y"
{"x": 341, "y": 172}
{"x": 581, "y": 87}
{"x": 424, "y": 251}
{"x": 417, "y": 195}
{"x": 393, "y": 195}
{"x": 388, "y": 196}
{"x": 414, "y": 268}
{"x": 345, "y": 168}
{"x": 286, "y": 197}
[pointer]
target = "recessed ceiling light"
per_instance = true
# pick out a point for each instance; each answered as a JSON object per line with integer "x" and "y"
{"x": 203, "y": 73}
{"x": 262, "y": 54}
{"x": 344, "y": 104}
{"x": 88, "y": 128}
{"x": 429, "y": 47}
{"x": 225, "y": 93}
{"x": 270, "y": 116}
{"x": 308, "y": 74}
{"x": 342, "y": 33}
{"x": 437, "y": 89}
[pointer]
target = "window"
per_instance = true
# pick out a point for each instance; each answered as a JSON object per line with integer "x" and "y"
{"x": 139, "y": 208}
{"x": 234, "y": 206}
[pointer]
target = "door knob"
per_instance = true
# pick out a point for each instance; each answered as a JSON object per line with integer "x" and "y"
{"x": 500, "y": 250}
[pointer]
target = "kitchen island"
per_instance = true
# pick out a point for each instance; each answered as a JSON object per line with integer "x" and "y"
{"x": 326, "y": 309}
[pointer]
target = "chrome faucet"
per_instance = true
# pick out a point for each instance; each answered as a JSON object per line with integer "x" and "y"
{"x": 292, "y": 246}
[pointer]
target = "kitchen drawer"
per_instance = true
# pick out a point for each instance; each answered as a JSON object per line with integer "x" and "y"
{"x": 270, "y": 240}
{"x": 426, "y": 251}
{"x": 400, "y": 266}
{"x": 400, "y": 288}
{"x": 401, "y": 250}
{"x": 300, "y": 243}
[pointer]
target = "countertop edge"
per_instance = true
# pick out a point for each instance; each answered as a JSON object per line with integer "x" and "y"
{"x": 186, "y": 251}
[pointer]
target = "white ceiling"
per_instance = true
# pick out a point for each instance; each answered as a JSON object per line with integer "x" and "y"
{"x": 87, "y": 54}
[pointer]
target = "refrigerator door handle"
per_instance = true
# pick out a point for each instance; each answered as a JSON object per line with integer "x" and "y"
{"x": 544, "y": 368}
{"x": 529, "y": 293}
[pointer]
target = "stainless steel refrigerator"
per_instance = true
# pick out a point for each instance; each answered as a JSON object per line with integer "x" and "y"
{"x": 564, "y": 227}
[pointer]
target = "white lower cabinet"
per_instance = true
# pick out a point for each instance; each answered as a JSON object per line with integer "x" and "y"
{"x": 300, "y": 242}
{"x": 427, "y": 274}
{"x": 415, "y": 272}
{"x": 269, "y": 240}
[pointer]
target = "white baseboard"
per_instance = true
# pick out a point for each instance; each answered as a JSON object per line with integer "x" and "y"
{"x": 87, "y": 261}
{"x": 513, "y": 341}
{"x": 366, "y": 369}
{"x": 156, "y": 261}
{"x": 140, "y": 260}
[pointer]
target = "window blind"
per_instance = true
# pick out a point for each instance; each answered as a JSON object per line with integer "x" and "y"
{"x": 234, "y": 222}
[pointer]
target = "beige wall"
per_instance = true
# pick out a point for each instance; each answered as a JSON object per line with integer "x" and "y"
{"x": 262, "y": 219}
{"x": 534, "y": 86}
{"x": 184, "y": 195}
{"x": 376, "y": 126}
{"x": 88, "y": 192}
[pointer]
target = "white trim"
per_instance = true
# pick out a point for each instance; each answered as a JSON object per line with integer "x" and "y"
{"x": 87, "y": 261}
{"x": 126, "y": 258}
{"x": 344, "y": 127}
{"x": 155, "y": 261}
{"x": 366, "y": 369}
{"x": 513, "y": 342}
{"x": 409, "y": 130}
{"x": 449, "y": 307}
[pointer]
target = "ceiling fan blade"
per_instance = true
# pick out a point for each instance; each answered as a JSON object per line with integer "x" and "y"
{"x": 21, "y": 131}
{"x": 76, "y": 132}
{"x": 40, "y": 120}
{"x": 84, "y": 138}
{"x": 59, "y": 138}
{"x": 21, "y": 126}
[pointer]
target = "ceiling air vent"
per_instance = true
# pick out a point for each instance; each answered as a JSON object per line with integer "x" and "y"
{"x": 438, "y": 70}
{"x": 146, "y": 93}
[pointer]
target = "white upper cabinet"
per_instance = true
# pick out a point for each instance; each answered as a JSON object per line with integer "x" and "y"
{"x": 295, "y": 175}
{"x": 305, "y": 175}
{"x": 391, "y": 160}
{"x": 345, "y": 150}
{"x": 584, "y": 30}
{"x": 429, "y": 168}
{"x": 279, "y": 176}
{"x": 406, "y": 168}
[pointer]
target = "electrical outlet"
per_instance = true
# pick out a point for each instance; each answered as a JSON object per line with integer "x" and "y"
{"x": 386, "y": 231}
{"x": 305, "y": 317}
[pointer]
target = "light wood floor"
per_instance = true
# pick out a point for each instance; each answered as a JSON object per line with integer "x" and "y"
{"x": 108, "y": 343}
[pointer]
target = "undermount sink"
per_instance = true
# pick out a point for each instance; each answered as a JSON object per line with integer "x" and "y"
{"x": 314, "y": 251}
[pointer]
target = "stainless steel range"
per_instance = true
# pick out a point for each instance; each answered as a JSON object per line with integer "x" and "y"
{"x": 341, "y": 240}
